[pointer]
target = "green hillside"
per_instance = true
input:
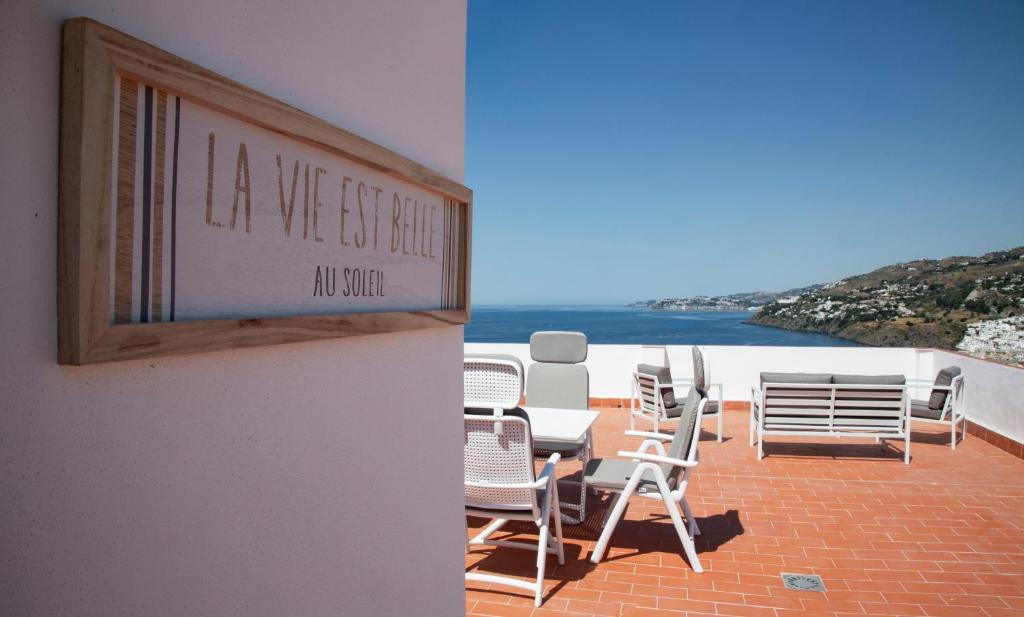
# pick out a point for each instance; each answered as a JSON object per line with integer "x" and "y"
{"x": 924, "y": 303}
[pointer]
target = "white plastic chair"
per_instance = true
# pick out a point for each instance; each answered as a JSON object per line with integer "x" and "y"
{"x": 500, "y": 479}
{"x": 500, "y": 485}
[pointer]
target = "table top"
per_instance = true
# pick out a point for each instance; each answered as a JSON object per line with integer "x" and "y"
{"x": 554, "y": 423}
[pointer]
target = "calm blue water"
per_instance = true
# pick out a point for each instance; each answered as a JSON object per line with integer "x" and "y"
{"x": 623, "y": 325}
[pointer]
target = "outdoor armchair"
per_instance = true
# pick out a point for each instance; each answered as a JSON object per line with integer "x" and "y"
{"x": 653, "y": 396}
{"x": 500, "y": 484}
{"x": 500, "y": 479}
{"x": 945, "y": 405}
{"x": 661, "y": 474}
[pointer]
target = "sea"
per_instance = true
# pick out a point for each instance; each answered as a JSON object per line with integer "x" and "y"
{"x": 635, "y": 326}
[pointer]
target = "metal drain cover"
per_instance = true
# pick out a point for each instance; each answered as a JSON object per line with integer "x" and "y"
{"x": 803, "y": 582}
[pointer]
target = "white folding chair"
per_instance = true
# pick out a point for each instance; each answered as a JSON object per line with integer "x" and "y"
{"x": 944, "y": 405}
{"x": 662, "y": 475}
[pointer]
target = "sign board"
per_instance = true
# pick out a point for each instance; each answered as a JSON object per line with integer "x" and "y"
{"x": 197, "y": 214}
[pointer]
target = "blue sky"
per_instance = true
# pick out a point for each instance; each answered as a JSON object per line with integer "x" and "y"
{"x": 621, "y": 151}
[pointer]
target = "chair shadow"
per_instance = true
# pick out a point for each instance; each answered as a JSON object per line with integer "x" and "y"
{"x": 710, "y": 436}
{"x": 716, "y": 531}
{"x": 938, "y": 439}
{"x": 886, "y": 450}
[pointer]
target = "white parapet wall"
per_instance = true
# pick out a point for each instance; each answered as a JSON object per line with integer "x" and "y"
{"x": 994, "y": 391}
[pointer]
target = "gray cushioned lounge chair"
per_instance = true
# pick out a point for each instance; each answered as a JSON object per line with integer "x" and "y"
{"x": 662, "y": 475}
{"x": 654, "y": 398}
{"x": 944, "y": 405}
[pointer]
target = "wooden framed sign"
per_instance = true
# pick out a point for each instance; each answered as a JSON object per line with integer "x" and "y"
{"x": 197, "y": 214}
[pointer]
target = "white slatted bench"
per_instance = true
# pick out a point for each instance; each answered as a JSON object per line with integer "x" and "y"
{"x": 807, "y": 404}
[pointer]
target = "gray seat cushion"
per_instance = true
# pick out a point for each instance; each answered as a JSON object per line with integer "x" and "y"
{"x": 874, "y": 380}
{"x": 559, "y": 347}
{"x": 711, "y": 408}
{"x": 921, "y": 409}
{"x": 613, "y": 474}
{"x": 566, "y": 448}
{"x": 945, "y": 377}
{"x": 664, "y": 375}
{"x": 812, "y": 378}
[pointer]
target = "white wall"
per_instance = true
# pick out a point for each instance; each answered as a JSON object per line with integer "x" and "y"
{"x": 240, "y": 482}
{"x": 994, "y": 392}
{"x": 737, "y": 367}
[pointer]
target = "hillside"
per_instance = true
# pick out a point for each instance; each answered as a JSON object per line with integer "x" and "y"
{"x": 732, "y": 302}
{"x": 924, "y": 303}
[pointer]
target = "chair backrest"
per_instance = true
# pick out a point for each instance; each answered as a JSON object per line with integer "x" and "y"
{"x": 499, "y": 450}
{"x": 826, "y": 402}
{"x": 687, "y": 435}
{"x": 557, "y": 377}
{"x": 700, "y": 369}
{"x": 652, "y": 387}
{"x": 937, "y": 400}
{"x": 492, "y": 381}
{"x": 870, "y": 407}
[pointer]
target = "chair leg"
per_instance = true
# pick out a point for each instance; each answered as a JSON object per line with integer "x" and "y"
{"x": 684, "y": 535}
{"x": 557, "y": 513}
{"x": 751, "y": 423}
{"x": 610, "y": 523}
{"x": 542, "y": 554}
{"x": 691, "y": 519}
{"x": 721, "y": 414}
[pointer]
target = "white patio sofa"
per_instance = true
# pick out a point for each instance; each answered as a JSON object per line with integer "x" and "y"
{"x": 809, "y": 404}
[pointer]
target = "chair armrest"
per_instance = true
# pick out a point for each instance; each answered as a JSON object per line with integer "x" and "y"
{"x": 542, "y": 479}
{"x": 755, "y": 395}
{"x": 649, "y": 435}
{"x": 652, "y": 443}
{"x": 548, "y": 471}
{"x": 656, "y": 458}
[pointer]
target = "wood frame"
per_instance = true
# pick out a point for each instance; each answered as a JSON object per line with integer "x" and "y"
{"x": 93, "y": 54}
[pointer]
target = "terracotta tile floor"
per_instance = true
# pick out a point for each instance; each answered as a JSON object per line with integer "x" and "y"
{"x": 943, "y": 536}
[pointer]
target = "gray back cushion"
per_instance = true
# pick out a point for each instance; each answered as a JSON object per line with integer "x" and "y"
{"x": 875, "y": 380}
{"x": 700, "y": 380}
{"x": 664, "y": 375}
{"x": 814, "y": 378}
{"x": 559, "y": 347}
{"x": 945, "y": 377}
{"x": 680, "y": 445}
{"x": 558, "y": 385}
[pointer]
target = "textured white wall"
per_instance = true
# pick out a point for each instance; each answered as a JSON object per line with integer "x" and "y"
{"x": 993, "y": 393}
{"x": 287, "y": 480}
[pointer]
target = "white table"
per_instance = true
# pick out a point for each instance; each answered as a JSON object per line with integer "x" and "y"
{"x": 569, "y": 425}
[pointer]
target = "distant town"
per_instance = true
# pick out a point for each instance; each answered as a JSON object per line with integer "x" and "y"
{"x": 971, "y": 304}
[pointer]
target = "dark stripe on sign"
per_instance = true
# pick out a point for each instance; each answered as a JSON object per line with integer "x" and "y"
{"x": 174, "y": 200}
{"x": 158, "y": 205}
{"x": 124, "y": 222}
{"x": 147, "y": 204}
